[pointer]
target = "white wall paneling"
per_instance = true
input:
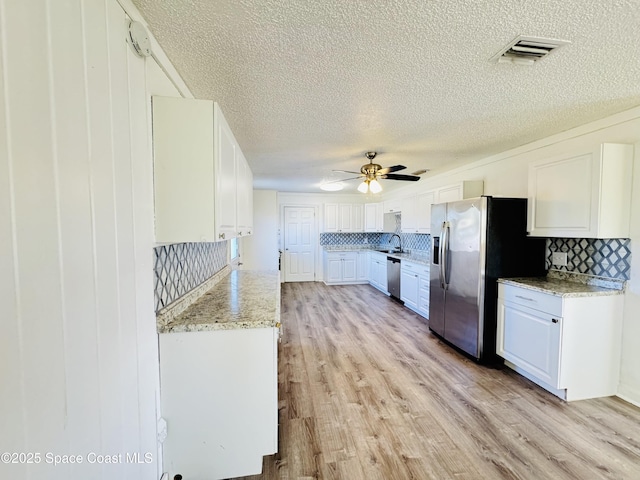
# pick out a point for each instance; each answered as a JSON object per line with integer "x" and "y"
{"x": 78, "y": 339}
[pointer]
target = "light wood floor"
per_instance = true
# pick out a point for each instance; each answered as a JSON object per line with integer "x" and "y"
{"x": 367, "y": 392}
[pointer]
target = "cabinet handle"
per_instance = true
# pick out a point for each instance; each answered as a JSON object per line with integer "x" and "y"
{"x": 221, "y": 235}
{"x": 554, "y": 320}
{"x": 525, "y": 298}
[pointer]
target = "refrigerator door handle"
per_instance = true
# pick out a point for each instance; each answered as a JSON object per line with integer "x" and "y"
{"x": 444, "y": 257}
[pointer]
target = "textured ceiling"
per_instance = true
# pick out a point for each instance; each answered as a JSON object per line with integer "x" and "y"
{"x": 309, "y": 86}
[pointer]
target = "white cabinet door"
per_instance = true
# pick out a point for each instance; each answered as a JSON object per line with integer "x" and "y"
{"x": 350, "y": 268}
{"x": 373, "y": 217}
{"x": 408, "y": 220}
{"x": 451, "y": 193}
{"x": 333, "y": 267}
{"x": 583, "y": 195}
{"x": 378, "y": 271}
{"x": 392, "y": 206}
{"x": 530, "y": 339}
{"x": 184, "y": 171}
{"x": 244, "y": 196}
{"x": 409, "y": 288}
{"x": 357, "y": 218}
{"x": 363, "y": 266}
{"x": 382, "y": 275}
{"x": 423, "y": 211}
{"x": 331, "y": 217}
{"x": 225, "y": 165}
{"x": 344, "y": 217}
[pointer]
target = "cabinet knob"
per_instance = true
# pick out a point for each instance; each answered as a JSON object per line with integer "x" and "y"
{"x": 554, "y": 320}
{"x": 221, "y": 235}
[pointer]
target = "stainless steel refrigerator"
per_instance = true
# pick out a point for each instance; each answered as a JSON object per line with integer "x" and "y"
{"x": 475, "y": 242}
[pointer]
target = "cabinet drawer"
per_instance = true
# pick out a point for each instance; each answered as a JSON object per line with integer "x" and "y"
{"x": 417, "y": 268}
{"x": 541, "y": 301}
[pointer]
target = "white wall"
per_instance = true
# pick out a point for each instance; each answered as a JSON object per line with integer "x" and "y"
{"x": 505, "y": 174}
{"x": 78, "y": 342}
{"x": 260, "y": 250}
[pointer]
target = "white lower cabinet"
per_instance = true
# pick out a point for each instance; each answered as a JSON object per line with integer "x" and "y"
{"x": 414, "y": 287}
{"x": 220, "y": 400}
{"x": 363, "y": 267}
{"x": 568, "y": 345}
{"x": 342, "y": 268}
{"x": 378, "y": 271}
{"x": 423, "y": 295}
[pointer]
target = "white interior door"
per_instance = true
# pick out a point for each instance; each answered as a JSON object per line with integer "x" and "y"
{"x": 299, "y": 244}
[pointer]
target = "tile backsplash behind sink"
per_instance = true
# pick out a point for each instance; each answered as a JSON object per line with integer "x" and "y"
{"x": 610, "y": 258}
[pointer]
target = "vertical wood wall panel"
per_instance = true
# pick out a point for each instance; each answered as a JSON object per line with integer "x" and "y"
{"x": 79, "y": 362}
{"x": 143, "y": 230}
{"x": 11, "y": 365}
{"x": 102, "y": 161}
{"x": 76, "y": 236}
{"x": 118, "y": 66}
{"x": 36, "y": 229}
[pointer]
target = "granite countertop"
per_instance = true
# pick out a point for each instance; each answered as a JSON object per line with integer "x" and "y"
{"x": 422, "y": 258}
{"x": 566, "y": 284}
{"x": 242, "y": 299}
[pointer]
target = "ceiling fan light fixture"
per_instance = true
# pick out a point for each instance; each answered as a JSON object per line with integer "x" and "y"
{"x": 332, "y": 186}
{"x": 375, "y": 186}
{"x": 363, "y": 187}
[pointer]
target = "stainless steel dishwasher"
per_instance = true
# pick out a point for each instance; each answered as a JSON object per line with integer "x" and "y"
{"x": 393, "y": 277}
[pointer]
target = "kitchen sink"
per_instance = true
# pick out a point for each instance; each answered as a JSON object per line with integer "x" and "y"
{"x": 388, "y": 251}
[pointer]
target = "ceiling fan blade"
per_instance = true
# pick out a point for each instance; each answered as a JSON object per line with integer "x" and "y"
{"x": 346, "y": 171}
{"x": 393, "y": 176}
{"x": 395, "y": 168}
{"x": 345, "y": 179}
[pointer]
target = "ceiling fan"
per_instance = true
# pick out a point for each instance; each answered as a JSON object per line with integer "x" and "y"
{"x": 371, "y": 172}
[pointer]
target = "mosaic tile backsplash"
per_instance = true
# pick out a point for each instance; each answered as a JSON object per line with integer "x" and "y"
{"x": 410, "y": 241}
{"x": 181, "y": 267}
{"x": 609, "y": 257}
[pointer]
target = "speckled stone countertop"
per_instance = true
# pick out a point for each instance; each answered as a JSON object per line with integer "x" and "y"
{"x": 566, "y": 284}
{"x": 422, "y": 257}
{"x": 242, "y": 299}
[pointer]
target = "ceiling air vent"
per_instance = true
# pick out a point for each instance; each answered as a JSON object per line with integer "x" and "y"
{"x": 528, "y": 50}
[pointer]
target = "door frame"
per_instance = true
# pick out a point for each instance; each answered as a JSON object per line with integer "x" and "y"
{"x": 317, "y": 263}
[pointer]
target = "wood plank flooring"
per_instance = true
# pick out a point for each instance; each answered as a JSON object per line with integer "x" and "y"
{"x": 367, "y": 392}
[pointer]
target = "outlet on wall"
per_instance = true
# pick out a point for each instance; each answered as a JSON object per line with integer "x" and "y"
{"x": 559, "y": 259}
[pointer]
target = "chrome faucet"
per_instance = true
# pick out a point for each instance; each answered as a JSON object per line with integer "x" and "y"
{"x": 399, "y": 241}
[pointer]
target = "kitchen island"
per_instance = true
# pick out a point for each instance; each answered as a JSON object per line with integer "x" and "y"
{"x": 218, "y": 369}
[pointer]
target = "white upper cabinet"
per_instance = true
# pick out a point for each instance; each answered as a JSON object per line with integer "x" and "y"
{"x": 244, "y": 196}
{"x": 373, "y": 217}
{"x": 393, "y": 206}
{"x": 582, "y": 195}
{"x": 416, "y": 209}
{"x": 460, "y": 191}
{"x": 343, "y": 217}
{"x": 225, "y": 176}
{"x": 199, "y": 172}
{"x": 409, "y": 219}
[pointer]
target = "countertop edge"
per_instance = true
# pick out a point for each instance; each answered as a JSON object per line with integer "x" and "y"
{"x": 172, "y": 323}
{"x": 595, "y": 291}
